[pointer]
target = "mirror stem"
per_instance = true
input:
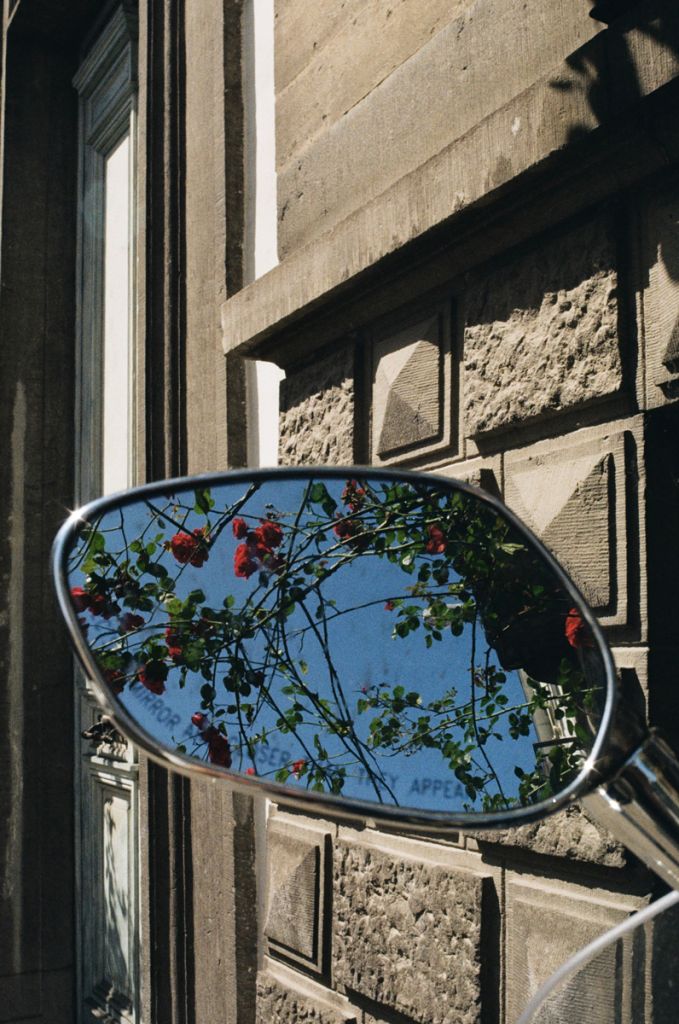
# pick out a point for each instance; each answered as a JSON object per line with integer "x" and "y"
{"x": 640, "y": 807}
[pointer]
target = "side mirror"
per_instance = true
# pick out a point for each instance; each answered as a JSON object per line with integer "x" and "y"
{"x": 392, "y": 646}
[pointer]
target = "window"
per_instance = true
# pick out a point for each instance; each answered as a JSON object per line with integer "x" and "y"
{"x": 107, "y": 797}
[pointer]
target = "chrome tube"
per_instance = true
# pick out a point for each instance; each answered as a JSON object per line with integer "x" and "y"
{"x": 640, "y": 807}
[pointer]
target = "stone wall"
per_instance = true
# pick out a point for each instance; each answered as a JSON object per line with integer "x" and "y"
{"x": 524, "y": 378}
{"x": 479, "y": 277}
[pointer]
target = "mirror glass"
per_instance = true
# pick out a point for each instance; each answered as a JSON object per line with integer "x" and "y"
{"x": 384, "y": 638}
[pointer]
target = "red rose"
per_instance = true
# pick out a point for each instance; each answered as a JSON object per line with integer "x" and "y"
{"x": 257, "y": 552}
{"x": 298, "y": 767}
{"x": 128, "y": 622}
{"x": 256, "y": 547}
{"x": 152, "y": 675}
{"x": 243, "y": 563}
{"x": 172, "y": 640}
{"x": 199, "y": 720}
{"x": 353, "y": 495}
{"x": 389, "y": 606}
{"x": 269, "y": 534}
{"x": 577, "y": 631}
{"x": 99, "y": 605}
{"x": 344, "y": 529}
{"x": 436, "y": 544}
{"x": 190, "y": 547}
{"x": 81, "y": 599}
{"x": 115, "y": 679}
{"x": 240, "y": 528}
{"x": 218, "y": 749}
{"x": 250, "y": 771}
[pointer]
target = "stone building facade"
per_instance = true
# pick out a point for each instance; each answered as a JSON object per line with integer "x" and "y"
{"x": 478, "y": 236}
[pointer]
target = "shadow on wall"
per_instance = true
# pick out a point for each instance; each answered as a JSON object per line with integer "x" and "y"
{"x": 608, "y": 74}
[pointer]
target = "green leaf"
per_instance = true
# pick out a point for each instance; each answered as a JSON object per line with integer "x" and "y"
{"x": 204, "y": 501}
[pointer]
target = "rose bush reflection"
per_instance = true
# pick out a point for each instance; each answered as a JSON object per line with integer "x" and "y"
{"x": 376, "y": 638}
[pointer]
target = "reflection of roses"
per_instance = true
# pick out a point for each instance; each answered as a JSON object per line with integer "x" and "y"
{"x": 99, "y": 605}
{"x": 436, "y": 544}
{"x": 344, "y": 528}
{"x": 244, "y": 564}
{"x": 128, "y": 622}
{"x": 115, "y": 679}
{"x": 353, "y": 495}
{"x": 240, "y": 528}
{"x": 257, "y": 552}
{"x": 190, "y": 547}
{"x": 81, "y": 599}
{"x": 152, "y": 675}
{"x": 173, "y": 641}
{"x": 218, "y": 749}
{"x": 577, "y": 631}
{"x": 269, "y": 534}
{"x": 95, "y": 603}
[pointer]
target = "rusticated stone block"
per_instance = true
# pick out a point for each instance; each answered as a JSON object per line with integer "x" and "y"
{"x": 546, "y": 923}
{"x": 660, "y": 267}
{"x": 568, "y": 834}
{"x": 279, "y": 1005}
{"x": 317, "y": 411}
{"x": 411, "y": 386}
{"x": 407, "y": 934}
{"x": 572, "y": 495}
{"x": 296, "y": 865}
{"x": 541, "y": 333}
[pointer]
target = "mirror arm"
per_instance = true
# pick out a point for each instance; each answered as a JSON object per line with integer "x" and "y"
{"x": 640, "y": 807}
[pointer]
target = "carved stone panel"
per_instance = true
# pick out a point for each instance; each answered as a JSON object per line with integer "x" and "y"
{"x": 547, "y": 922}
{"x": 541, "y": 333}
{"x": 572, "y": 496}
{"x": 295, "y": 901}
{"x": 411, "y": 372}
{"x": 407, "y": 934}
{"x": 660, "y": 321}
{"x": 109, "y": 880}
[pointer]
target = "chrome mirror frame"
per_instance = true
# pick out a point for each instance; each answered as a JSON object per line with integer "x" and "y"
{"x": 611, "y": 745}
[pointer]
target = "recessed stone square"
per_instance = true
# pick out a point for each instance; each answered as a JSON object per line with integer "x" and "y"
{"x": 293, "y": 921}
{"x": 547, "y": 923}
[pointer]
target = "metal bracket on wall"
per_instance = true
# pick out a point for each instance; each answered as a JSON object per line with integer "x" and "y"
{"x": 104, "y": 731}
